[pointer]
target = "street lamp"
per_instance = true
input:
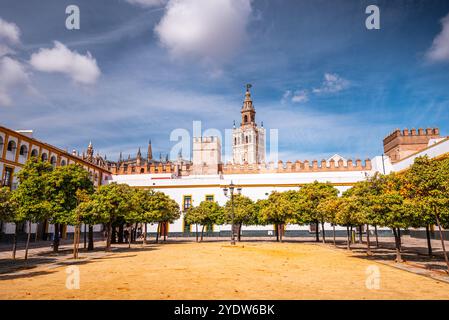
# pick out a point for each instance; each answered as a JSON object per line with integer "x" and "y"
{"x": 231, "y": 189}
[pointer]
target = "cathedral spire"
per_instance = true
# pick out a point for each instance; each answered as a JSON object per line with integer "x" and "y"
{"x": 150, "y": 151}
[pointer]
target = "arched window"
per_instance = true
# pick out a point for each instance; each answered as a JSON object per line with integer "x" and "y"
{"x": 63, "y": 163}
{"x": 53, "y": 161}
{"x": 11, "y": 145}
{"x": 44, "y": 157}
{"x": 235, "y": 141}
{"x": 246, "y": 139}
{"x": 34, "y": 153}
{"x": 23, "y": 150}
{"x": 1, "y": 143}
{"x": 245, "y": 119}
{"x": 142, "y": 170}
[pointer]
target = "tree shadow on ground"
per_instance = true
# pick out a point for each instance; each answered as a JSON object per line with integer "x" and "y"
{"x": 11, "y": 265}
{"x": 25, "y": 275}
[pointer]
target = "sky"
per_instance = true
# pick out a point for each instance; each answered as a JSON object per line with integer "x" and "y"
{"x": 137, "y": 70}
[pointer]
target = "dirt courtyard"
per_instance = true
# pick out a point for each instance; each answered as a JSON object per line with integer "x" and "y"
{"x": 216, "y": 270}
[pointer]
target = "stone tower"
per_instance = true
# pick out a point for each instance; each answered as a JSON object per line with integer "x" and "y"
{"x": 206, "y": 155}
{"x": 401, "y": 144}
{"x": 248, "y": 141}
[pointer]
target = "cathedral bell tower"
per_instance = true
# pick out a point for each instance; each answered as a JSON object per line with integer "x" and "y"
{"x": 248, "y": 112}
{"x": 249, "y": 139}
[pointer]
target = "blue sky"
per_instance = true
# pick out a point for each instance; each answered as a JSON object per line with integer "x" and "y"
{"x": 138, "y": 69}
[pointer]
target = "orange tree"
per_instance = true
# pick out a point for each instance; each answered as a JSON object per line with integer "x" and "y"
{"x": 426, "y": 185}
{"x": 310, "y": 196}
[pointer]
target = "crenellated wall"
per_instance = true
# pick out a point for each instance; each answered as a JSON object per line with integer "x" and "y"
{"x": 298, "y": 166}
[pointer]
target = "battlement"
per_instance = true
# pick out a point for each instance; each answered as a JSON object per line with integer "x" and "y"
{"x": 298, "y": 166}
{"x": 150, "y": 168}
{"x": 400, "y": 144}
{"x": 430, "y": 132}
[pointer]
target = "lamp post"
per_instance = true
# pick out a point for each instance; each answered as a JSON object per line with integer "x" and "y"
{"x": 231, "y": 189}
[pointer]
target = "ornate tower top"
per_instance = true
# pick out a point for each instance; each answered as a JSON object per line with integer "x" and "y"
{"x": 248, "y": 112}
{"x": 90, "y": 152}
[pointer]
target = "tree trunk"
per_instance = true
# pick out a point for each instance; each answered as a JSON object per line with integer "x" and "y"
{"x": 377, "y": 237}
{"x": 145, "y": 234}
{"x": 85, "y": 236}
{"x": 75, "y": 242}
{"x": 14, "y": 241}
{"x": 35, "y": 234}
{"x": 333, "y": 228}
{"x": 399, "y": 237}
{"x": 348, "y": 238}
{"x": 429, "y": 243}
{"x": 109, "y": 236}
{"x": 135, "y": 232}
{"x": 165, "y": 230}
{"x": 113, "y": 233}
{"x": 196, "y": 231}
{"x": 368, "y": 244}
{"x": 240, "y": 231}
{"x": 121, "y": 233}
{"x": 360, "y": 234}
{"x": 90, "y": 246}
{"x": 130, "y": 236}
{"x": 398, "y": 246}
{"x": 281, "y": 229}
{"x": 322, "y": 228}
{"x": 28, "y": 240}
{"x": 317, "y": 231}
{"x": 437, "y": 218}
{"x": 56, "y": 238}
{"x": 202, "y": 232}
{"x": 352, "y": 236}
{"x": 277, "y": 231}
{"x": 157, "y": 232}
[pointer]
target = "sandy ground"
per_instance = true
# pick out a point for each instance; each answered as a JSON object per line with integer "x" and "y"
{"x": 216, "y": 270}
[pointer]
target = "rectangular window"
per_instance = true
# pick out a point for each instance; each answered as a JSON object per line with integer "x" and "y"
{"x": 187, "y": 203}
{"x": 7, "y": 178}
{"x": 210, "y": 197}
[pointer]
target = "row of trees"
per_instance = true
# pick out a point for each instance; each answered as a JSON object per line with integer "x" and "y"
{"x": 66, "y": 196}
{"x": 415, "y": 198}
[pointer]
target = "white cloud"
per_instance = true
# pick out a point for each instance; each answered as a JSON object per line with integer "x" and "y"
{"x": 440, "y": 46}
{"x": 147, "y": 3}
{"x": 12, "y": 75}
{"x": 204, "y": 29}
{"x": 300, "y": 96}
{"x": 332, "y": 83}
{"x": 81, "y": 69}
{"x": 9, "y": 32}
{"x": 286, "y": 96}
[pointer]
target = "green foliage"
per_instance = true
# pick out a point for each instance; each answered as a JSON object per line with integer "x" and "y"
{"x": 206, "y": 213}
{"x": 164, "y": 209}
{"x": 64, "y": 186}
{"x": 244, "y": 211}
{"x": 109, "y": 203}
{"x": 309, "y": 198}
{"x": 426, "y": 186}
{"x": 277, "y": 209}
{"x": 329, "y": 208}
{"x": 31, "y": 195}
{"x": 8, "y": 206}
